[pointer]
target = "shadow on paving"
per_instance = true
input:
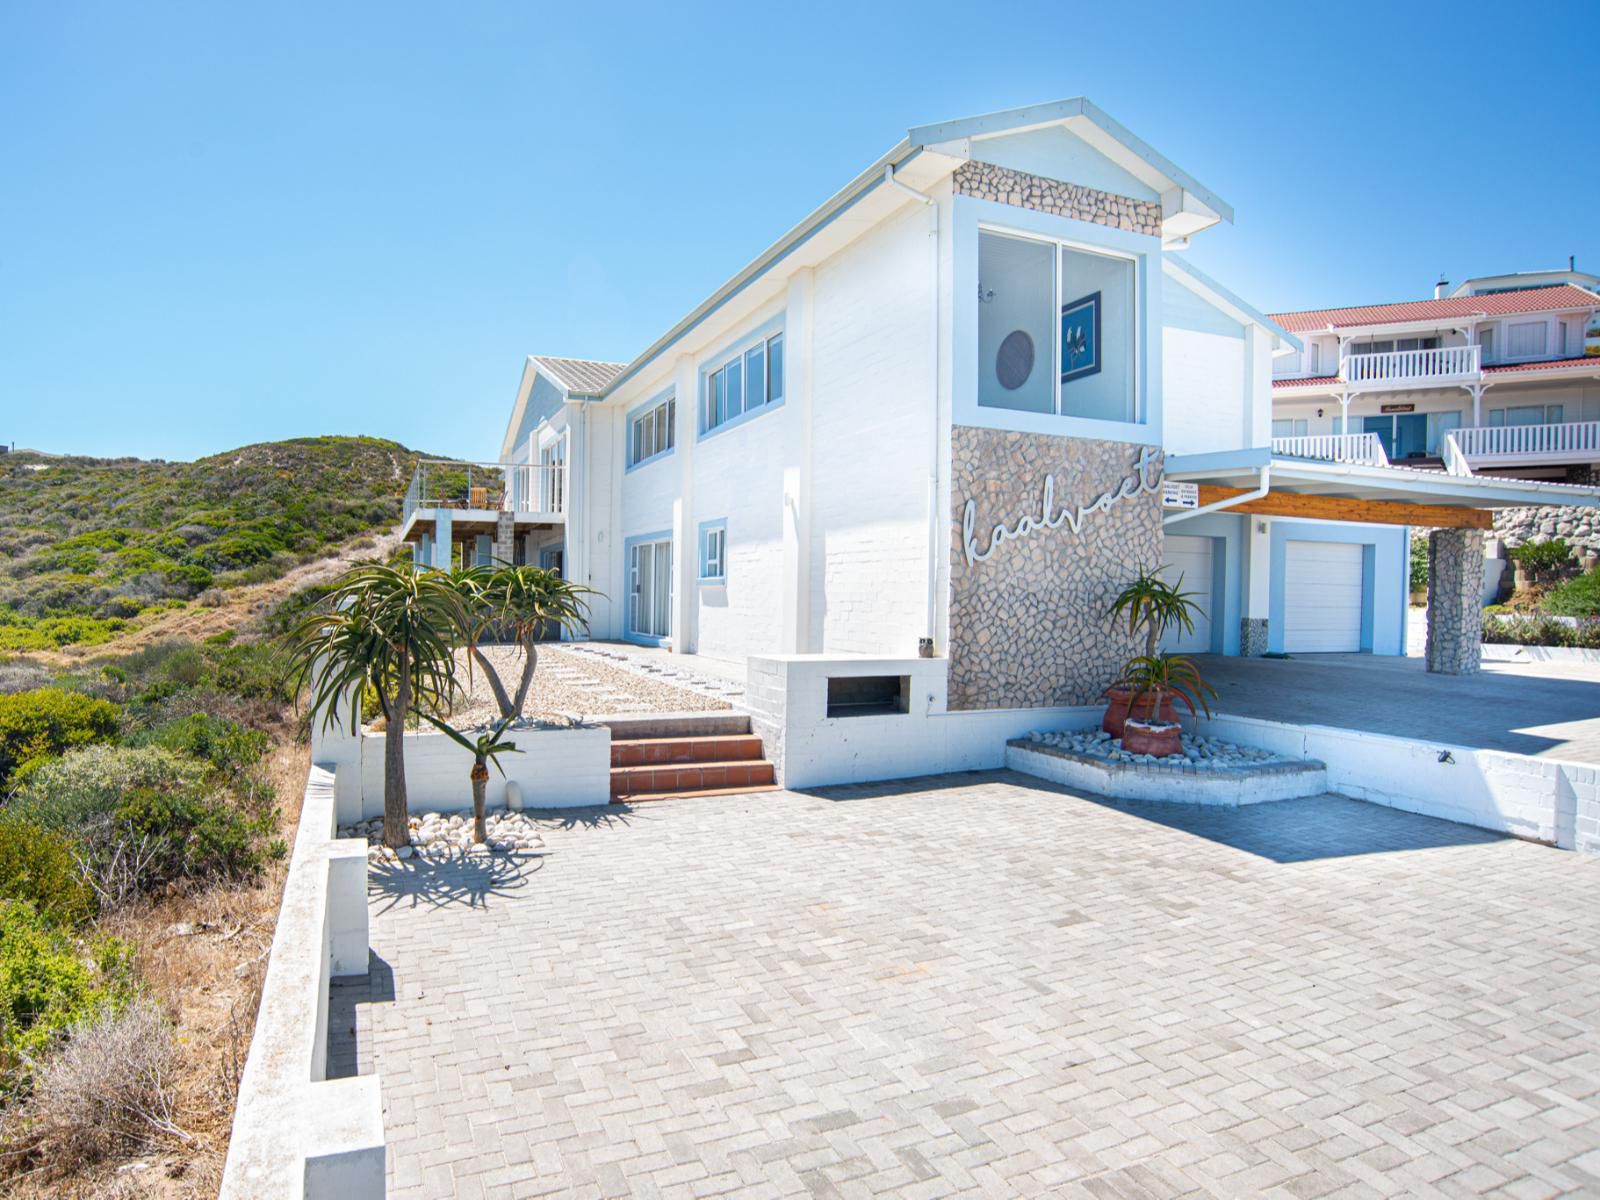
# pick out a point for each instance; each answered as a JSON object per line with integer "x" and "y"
{"x": 1284, "y": 831}
{"x": 599, "y": 816}
{"x": 345, "y": 1057}
{"x": 469, "y": 880}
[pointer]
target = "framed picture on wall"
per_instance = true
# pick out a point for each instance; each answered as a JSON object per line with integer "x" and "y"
{"x": 1080, "y": 338}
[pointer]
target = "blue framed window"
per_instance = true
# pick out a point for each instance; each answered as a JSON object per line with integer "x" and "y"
{"x": 652, "y": 431}
{"x": 743, "y": 383}
{"x": 713, "y": 551}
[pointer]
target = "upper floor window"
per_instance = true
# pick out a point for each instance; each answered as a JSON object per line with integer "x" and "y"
{"x": 1056, "y": 329}
{"x": 552, "y": 476}
{"x": 743, "y": 382}
{"x": 1526, "y": 339}
{"x": 1486, "y": 344}
{"x": 652, "y": 431}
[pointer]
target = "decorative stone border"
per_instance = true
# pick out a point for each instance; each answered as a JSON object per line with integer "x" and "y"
{"x": 985, "y": 181}
{"x": 1179, "y": 782}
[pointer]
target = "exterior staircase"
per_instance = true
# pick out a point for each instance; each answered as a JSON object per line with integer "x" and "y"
{"x": 668, "y": 758}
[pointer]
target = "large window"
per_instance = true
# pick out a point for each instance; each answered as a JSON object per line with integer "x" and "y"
{"x": 1528, "y": 414}
{"x": 1057, "y": 330}
{"x": 1287, "y": 427}
{"x": 743, "y": 382}
{"x": 650, "y": 589}
{"x": 1526, "y": 339}
{"x": 553, "y": 476}
{"x": 651, "y": 432}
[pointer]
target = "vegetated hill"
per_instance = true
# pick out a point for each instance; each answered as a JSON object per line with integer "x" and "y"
{"x": 87, "y": 544}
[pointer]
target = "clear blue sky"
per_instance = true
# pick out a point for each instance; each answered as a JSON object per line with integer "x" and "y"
{"x": 224, "y": 223}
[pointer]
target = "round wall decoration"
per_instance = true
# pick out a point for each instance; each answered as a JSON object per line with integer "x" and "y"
{"x": 1013, "y": 362}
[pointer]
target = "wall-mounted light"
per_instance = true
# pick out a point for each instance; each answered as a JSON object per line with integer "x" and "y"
{"x": 1319, "y": 412}
{"x": 985, "y": 296}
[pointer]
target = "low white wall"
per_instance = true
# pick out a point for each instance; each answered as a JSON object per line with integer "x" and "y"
{"x": 788, "y": 697}
{"x": 295, "y": 1132}
{"x": 1541, "y": 799}
{"x": 556, "y": 768}
{"x": 1172, "y": 785}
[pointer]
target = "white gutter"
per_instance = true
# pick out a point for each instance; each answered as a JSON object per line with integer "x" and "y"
{"x": 932, "y": 206}
{"x": 1264, "y": 485}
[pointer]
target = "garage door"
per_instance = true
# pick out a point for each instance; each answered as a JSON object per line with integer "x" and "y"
{"x": 1322, "y": 597}
{"x": 1190, "y": 557}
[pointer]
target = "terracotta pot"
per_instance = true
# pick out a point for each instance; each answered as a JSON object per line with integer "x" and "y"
{"x": 1117, "y": 709}
{"x": 1144, "y": 737}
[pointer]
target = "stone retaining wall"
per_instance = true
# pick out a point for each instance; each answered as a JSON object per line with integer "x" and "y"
{"x": 1580, "y": 526}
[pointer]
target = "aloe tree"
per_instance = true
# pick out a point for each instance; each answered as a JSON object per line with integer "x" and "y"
{"x": 1155, "y": 605}
{"x": 396, "y": 629}
{"x": 487, "y": 747}
{"x": 518, "y": 603}
{"x": 1160, "y": 675}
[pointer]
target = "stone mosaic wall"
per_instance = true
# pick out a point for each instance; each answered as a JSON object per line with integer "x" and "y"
{"x": 1027, "y": 624}
{"x": 1252, "y": 637}
{"x": 1455, "y": 583}
{"x": 986, "y": 181}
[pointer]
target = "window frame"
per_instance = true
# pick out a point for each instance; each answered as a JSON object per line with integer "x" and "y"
{"x": 662, "y": 409}
{"x": 1542, "y": 325}
{"x": 713, "y": 377}
{"x": 716, "y": 529}
{"x": 633, "y": 578}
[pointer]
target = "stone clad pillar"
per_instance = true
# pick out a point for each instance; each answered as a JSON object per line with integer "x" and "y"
{"x": 505, "y": 534}
{"x": 1455, "y": 595}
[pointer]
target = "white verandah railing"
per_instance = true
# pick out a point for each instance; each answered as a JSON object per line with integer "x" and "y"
{"x": 1364, "y": 449}
{"x": 1570, "y": 441}
{"x": 533, "y": 488}
{"x": 1410, "y": 366}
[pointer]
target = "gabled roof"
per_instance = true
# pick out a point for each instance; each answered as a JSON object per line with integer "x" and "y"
{"x": 1209, "y": 289}
{"x": 579, "y": 376}
{"x": 1452, "y": 308}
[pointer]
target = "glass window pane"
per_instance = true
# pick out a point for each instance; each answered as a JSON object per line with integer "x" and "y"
{"x": 672, "y": 421}
{"x": 734, "y": 387}
{"x": 755, "y": 373}
{"x": 1097, "y": 336}
{"x": 1016, "y": 338}
{"x": 775, "y": 367}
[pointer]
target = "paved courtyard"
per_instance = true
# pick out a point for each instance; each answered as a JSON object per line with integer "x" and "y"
{"x": 979, "y": 985}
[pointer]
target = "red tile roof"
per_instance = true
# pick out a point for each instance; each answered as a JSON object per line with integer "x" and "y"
{"x": 1591, "y": 361}
{"x": 1498, "y": 304}
{"x": 1314, "y": 381}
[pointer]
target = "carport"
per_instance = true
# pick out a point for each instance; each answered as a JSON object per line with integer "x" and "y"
{"x": 1324, "y": 583}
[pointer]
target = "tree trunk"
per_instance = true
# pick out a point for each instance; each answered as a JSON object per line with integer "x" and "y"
{"x": 502, "y": 700}
{"x": 480, "y": 784}
{"x": 395, "y": 814}
{"x": 530, "y": 647}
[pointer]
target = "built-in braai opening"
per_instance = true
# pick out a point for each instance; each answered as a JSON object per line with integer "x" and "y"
{"x": 868, "y": 695}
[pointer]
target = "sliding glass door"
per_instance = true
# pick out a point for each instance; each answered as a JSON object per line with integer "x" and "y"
{"x": 650, "y": 589}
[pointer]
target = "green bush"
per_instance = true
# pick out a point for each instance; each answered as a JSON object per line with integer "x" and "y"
{"x": 37, "y": 866}
{"x": 188, "y": 838}
{"x": 50, "y": 982}
{"x": 1578, "y": 597}
{"x": 1419, "y": 562}
{"x": 1540, "y": 558}
{"x": 48, "y": 722}
{"x": 77, "y": 795}
{"x": 1541, "y": 631}
{"x": 226, "y": 745}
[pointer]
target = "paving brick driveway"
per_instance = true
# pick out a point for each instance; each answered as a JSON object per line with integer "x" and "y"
{"x": 976, "y": 985}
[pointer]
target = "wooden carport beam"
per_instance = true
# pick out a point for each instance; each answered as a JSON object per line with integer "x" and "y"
{"x": 1337, "y": 508}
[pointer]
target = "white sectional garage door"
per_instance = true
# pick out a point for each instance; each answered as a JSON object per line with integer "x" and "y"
{"x": 1191, "y": 557}
{"x": 1322, "y": 597}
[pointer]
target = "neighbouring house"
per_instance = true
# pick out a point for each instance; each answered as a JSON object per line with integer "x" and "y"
{"x": 926, "y": 435}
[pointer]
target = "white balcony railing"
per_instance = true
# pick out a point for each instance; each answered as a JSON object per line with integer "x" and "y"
{"x": 1410, "y": 366}
{"x": 1513, "y": 445}
{"x": 1364, "y": 449}
{"x": 530, "y": 488}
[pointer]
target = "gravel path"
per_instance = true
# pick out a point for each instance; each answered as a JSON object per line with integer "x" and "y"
{"x": 569, "y": 687}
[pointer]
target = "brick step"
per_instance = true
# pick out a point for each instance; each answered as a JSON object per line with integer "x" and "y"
{"x": 734, "y": 774}
{"x": 660, "y": 751}
{"x": 652, "y": 797}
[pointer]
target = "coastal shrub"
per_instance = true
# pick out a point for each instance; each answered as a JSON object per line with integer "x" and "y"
{"x": 1578, "y": 597}
{"x": 1419, "y": 563}
{"x": 1541, "y": 631}
{"x": 48, "y": 722}
{"x": 1541, "y": 558}
{"x": 76, "y": 795}
{"x": 49, "y": 982}
{"x": 185, "y": 837}
{"x": 226, "y": 745}
{"x": 37, "y": 866}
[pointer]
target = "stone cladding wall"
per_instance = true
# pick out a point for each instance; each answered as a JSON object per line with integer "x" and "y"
{"x": 985, "y": 181}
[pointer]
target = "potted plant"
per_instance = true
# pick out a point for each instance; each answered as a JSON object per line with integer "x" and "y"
{"x": 1161, "y": 678}
{"x": 1154, "y": 606}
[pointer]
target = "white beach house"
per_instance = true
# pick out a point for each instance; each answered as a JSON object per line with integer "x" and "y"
{"x": 925, "y": 435}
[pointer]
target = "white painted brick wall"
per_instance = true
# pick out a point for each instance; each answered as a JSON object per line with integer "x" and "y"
{"x": 557, "y": 768}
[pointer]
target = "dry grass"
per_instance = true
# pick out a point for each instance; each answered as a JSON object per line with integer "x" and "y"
{"x": 203, "y": 956}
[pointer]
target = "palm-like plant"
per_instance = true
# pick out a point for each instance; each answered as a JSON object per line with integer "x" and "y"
{"x": 394, "y": 628}
{"x": 485, "y": 748}
{"x": 1153, "y": 604}
{"x": 1160, "y": 675}
{"x": 518, "y": 603}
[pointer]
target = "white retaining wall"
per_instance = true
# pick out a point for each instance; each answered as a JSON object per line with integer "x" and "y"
{"x": 297, "y": 1133}
{"x": 1541, "y": 799}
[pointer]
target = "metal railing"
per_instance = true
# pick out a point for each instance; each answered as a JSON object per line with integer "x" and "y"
{"x": 1364, "y": 449}
{"x": 1410, "y": 366}
{"x": 1570, "y": 441}
{"x": 529, "y": 488}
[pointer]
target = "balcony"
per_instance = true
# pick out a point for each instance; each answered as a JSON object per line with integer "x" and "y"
{"x": 1530, "y": 445}
{"x": 477, "y": 493}
{"x": 1411, "y": 368}
{"x": 1362, "y": 449}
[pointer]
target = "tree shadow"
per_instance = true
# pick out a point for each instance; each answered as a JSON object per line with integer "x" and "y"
{"x": 599, "y": 816}
{"x": 445, "y": 880}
